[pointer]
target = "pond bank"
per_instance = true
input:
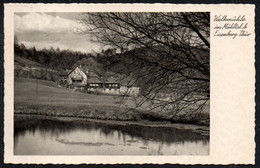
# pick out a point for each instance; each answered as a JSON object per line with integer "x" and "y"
{"x": 108, "y": 113}
{"x": 204, "y": 130}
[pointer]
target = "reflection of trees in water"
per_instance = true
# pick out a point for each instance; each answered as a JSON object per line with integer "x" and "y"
{"x": 106, "y": 131}
{"x": 157, "y": 150}
{"x": 54, "y": 127}
{"x": 162, "y": 134}
{"x": 49, "y": 126}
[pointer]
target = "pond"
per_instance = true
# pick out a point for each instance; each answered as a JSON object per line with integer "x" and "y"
{"x": 38, "y": 135}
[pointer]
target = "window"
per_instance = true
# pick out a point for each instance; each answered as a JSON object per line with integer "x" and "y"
{"x": 76, "y": 81}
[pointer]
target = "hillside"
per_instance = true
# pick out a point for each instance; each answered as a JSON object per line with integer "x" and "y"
{"x": 31, "y": 69}
{"x": 25, "y": 62}
{"x": 104, "y": 64}
{"x": 52, "y": 58}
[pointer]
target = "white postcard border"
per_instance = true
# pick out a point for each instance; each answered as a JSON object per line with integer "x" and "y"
{"x": 232, "y": 104}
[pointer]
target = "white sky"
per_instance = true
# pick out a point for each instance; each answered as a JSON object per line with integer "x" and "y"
{"x": 57, "y": 30}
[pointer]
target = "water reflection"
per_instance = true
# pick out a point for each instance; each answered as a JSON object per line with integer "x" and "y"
{"x": 42, "y": 135}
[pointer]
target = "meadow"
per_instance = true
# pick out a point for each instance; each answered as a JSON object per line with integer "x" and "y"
{"x": 41, "y": 97}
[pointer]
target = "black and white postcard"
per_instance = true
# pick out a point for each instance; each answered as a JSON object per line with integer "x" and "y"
{"x": 129, "y": 83}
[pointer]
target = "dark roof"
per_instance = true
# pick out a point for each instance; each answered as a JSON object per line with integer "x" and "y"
{"x": 94, "y": 79}
{"x": 112, "y": 80}
{"x": 92, "y": 74}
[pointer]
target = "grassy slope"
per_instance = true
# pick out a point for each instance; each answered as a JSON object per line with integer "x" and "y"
{"x": 47, "y": 98}
{"x": 25, "y": 62}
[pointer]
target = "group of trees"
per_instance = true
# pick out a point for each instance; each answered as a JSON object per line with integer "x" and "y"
{"x": 50, "y": 58}
{"x": 169, "y": 55}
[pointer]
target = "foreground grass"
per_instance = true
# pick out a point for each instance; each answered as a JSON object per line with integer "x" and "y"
{"x": 40, "y": 97}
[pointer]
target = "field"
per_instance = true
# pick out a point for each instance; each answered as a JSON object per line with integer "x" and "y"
{"x": 42, "y": 97}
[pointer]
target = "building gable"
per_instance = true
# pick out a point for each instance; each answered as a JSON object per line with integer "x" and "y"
{"x": 77, "y": 76}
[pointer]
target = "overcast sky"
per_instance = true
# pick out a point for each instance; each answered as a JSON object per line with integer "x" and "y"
{"x": 57, "y": 30}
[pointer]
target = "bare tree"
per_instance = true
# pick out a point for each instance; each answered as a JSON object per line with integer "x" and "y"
{"x": 167, "y": 53}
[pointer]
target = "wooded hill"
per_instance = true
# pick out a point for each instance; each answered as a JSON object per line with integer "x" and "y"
{"x": 135, "y": 63}
{"x": 104, "y": 63}
{"x": 51, "y": 58}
